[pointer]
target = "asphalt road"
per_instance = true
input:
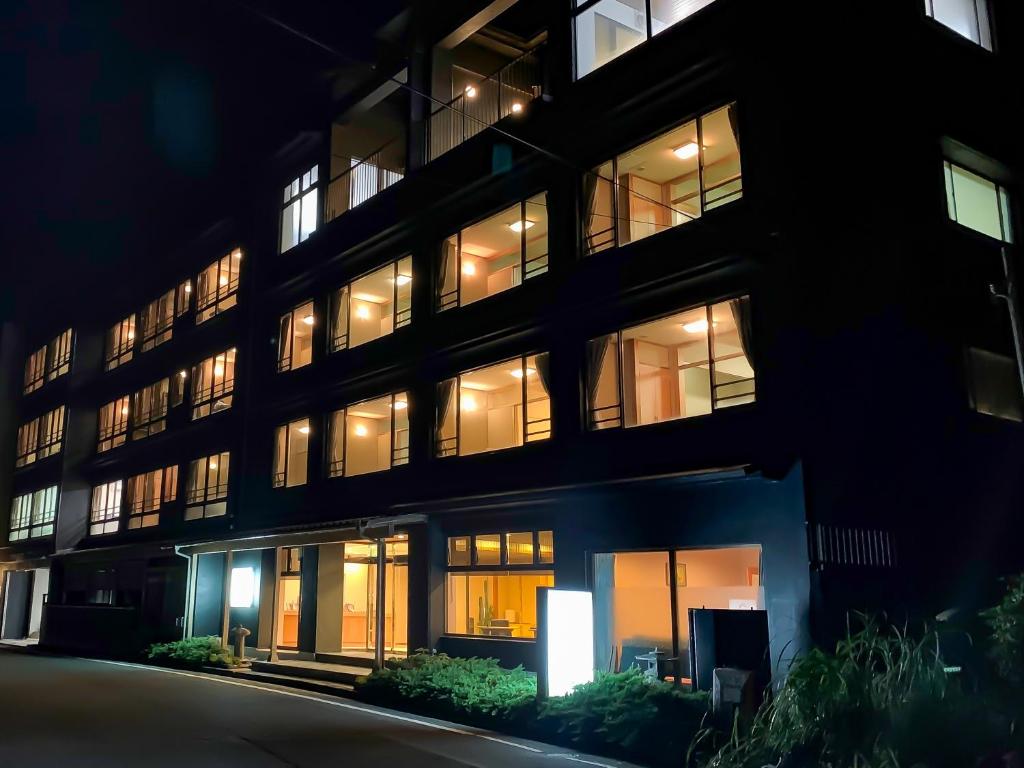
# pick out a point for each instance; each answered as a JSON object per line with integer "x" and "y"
{"x": 69, "y": 712}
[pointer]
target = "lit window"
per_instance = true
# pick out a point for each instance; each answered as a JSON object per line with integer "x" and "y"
{"x": 28, "y": 443}
{"x": 295, "y": 341}
{"x": 217, "y": 286}
{"x": 494, "y": 255}
{"x": 147, "y": 492}
{"x": 489, "y": 409}
{"x": 299, "y": 216}
{"x": 51, "y": 432}
{"x": 149, "y": 409}
{"x": 495, "y": 593}
{"x": 21, "y": 517}
{"x": 977, "y": 203}
{"x": 156, "y": 321}
{"x": 213, "y": 382}
{"x": 207, "y": 490}
{"x": 33, "y": 514}
{"x": 120, "y": 343}
{"x": 670, "y": 180}
{"x": 105, "y": 512}
{"x": 606, "y": 29}
{"x": 370, "y": 436}
{"x": 58, "y": 355}
{"x": 688, "y": 364}
{"x": 291, "y": 454}
{"x": 372, "y": 306}
{"x": 968, "y": 18}
{"x": 35, "y": 370}
{"x": 113, "y": 429}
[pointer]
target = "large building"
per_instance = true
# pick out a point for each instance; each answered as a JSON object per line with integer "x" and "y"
{"x": 604, "y": 295}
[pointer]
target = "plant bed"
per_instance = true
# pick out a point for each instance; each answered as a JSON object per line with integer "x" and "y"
{"x": 622, "y": 715}
{"x": 191, "y": 653}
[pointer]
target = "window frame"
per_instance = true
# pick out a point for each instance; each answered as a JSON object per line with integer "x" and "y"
{"x": 177, "y": 300}
{"x": 619, "y": 418}
{"x": 202, "y": 402}
{"x": 286, "y": 346}
{"x": 984, "y": 27}
{"x": 399, "y": 456}
{"x": 51, "y": 432}
{"x": 155, "y": 420}
{"x": 35, "y": 370}
{"x": 1004, "y": 200}
{"x": 58, "y": 354}
{"x": 441, "y": 452}
{"x": 224, "y": 295}
{"x": 296, "y": 192}
{"x": 106, "y": 508}
{"x": 146, "y": 513}
{"x": 212, "y": 500}
{"x": 27, "y": 445}
{"x": 339, "y": 342}
{"x": 119, "y": 345}
{"x": 445, "y": 301}
{"x": 280, "y": 479}
{"x": 115, "y": 435}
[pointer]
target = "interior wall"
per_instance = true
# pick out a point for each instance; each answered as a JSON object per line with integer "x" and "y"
{"x": 330, "y": 566}
{"x": 40, "y": 586}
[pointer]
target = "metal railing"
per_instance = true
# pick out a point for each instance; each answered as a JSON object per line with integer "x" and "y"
{"x": 505, "y": 92}
{"x": 361, "y": 180}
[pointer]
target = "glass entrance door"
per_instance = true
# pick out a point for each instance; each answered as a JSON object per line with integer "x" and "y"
{"x": 360, "y": 600}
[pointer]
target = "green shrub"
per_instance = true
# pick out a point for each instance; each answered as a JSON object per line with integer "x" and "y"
{"x": 1005, "y": 622}
{"x": 467, "y": 689}
{"x": 627, "y": 714}
{"x": 192, "y": 652}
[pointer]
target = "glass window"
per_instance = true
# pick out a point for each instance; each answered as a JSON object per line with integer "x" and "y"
{"x": 120, "y": 343}
{"x": 291, "y": 454}
{"x": 968, "y": 18}
{"x": 149, "y": 409}
{"x": 207, "y": 491}
{"x": 687, "y": 364}
{"x": 21, "y": 517}
{"x": 35, "y": 370}
{"x": 28, "y": 443}
{"x": 994, "y": 384}
{"x": 51, "y": 432}
{"x": 458, "y": 550}
{"x": 44, "y": 511}
{"x": 213, "y": 382}
{"x": 295, "y": 340}
{"x": 58, "y": 356}
{"x": 977, "y": 203}
{"x": 147, "y": 492}
{"x": 370, "y": 436}
{"x": 494, "y": 604}
{"x": 489, "y": 409}
{"x": 299, "y": 216}
{"x": 487, "y": 549}
{"x": 156, "y": 321}
{"x": 494, "y": 255}
{"x": 105, "y": 512}
{"x": 519, "y": 548}
{"x": 668, "y": 181}
{"x": 606, "y": 29}
{"x": 372, "y": 306}
{"x": 113, "y": 429}
{"x": 217, "y": 286}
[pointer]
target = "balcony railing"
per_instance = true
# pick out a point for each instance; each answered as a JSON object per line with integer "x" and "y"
{"x": 505, "y": 92}
{"x": 362, "y": 179}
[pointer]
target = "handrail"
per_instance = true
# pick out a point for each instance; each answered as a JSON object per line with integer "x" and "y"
{"x": 364, "y": 178}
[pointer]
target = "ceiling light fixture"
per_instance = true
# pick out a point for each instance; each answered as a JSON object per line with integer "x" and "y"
{"x": 183, "y": 374}
{"x": 303, "y": 430}
{"x": 218, "y": 370}
{"x": 687, "y": 151}
{"x": 404, "y": 279}
{"x": 213, "y": 465}
{"x": 360, "y": 430}
{"x": 124, "y": 411}
{"x": 223, "y": 281}
{"x": 401, "y": 405}
{"x": 308, "y": 320}
{"x": 519, "y": 226}
{"x": 697, "y": 326}
{"x": 518, "y": 372}
{"x": 470, "y": 91}
{"x": 363, "y": 312}
{"x": 469, "y": 268}
{"x": 468, "y": 403}
{"x": 516, "y": 108}
{"x": 188, "y": 287}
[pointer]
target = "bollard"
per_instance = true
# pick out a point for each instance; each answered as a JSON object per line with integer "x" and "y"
{"x": 240, "y": 634}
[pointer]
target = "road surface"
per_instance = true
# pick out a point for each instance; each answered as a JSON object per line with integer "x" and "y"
{"x": 69, "y": 712}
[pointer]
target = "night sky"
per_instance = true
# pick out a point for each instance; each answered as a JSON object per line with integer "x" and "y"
{"x": 126, "y": 123}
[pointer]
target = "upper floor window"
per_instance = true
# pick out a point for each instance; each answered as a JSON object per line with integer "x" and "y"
{"x": 968, "y": 18}
{"x": 207, "y": 490}
{"x": 35, "y": 370}
{"x": 370, "y": 436}
{"x": 58, "y": 355}
{"x": 217, "y": 286}
{"x": 213, "y": 382}
{"x": 120, "y": 343}
{"x": 149, "y": 409}
{"x": 51, "y": 432}
{"x": 688, "y": 364}
{"x": 291, "y": 454}
{"x": 668, "y": 181}
{"x": 494, "y": 255}
{"x": 295, "y": 340}
{"x": 372, "y": 306}
{"x": 28, "y": 443}
{"x": 489, "y": 409}
{"x": 606, "y": 29}
{"x": 113, "y": 429}
{"x": 299, "y": 215}
{"x": 105, "y": 510}
{"x": 156, "y": 320}
{"x": 33, "y": 514}
{"x": 147, "y": 492}
{"x": 977, "y": 203}
{"x": 492, "y": 581}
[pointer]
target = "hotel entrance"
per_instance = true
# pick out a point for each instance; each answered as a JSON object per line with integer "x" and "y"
{"x": 361, "y": 601}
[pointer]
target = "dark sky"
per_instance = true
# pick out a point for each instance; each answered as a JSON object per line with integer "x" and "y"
{"x": 126, "y": 121}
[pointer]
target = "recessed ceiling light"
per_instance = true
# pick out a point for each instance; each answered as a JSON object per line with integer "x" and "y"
{"x": 360, "y": 430}
{"x": 183, "y": 374}
{"x": 516, "y": 108}
{"x": 363, "y": 312}
{"x": 304, "y": 430}
{"x": 470, "y": 91}
{"x": 403, "y": 279}
{"x": 468, "y": 403}
{"x": 519, "y": 226}
{"x": 308, "y": 320}
{"x": 401, "y": 405}
{"x": 469, "y": 268}
{"x": 518, "y": 372}
{"x": 687, "y": 151}
{"x": 697, "y": 326}
{"x": 188, "y": 287}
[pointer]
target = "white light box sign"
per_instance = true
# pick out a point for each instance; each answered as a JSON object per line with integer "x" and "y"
{"x": 565, "y": 639}
{"x": 243, "y": 587}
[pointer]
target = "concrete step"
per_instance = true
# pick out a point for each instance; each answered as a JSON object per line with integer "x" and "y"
{"x": 290, "y": 681}
{"x": 312, "y": 670}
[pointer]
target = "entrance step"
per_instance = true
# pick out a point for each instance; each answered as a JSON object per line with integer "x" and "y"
{"x": 290, "y": 681}
{"x": 312, "y": 670}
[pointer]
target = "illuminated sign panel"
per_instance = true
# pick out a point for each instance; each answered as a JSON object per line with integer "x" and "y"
{"x": 566, "y": 639}
{"x": 243, "y": 587}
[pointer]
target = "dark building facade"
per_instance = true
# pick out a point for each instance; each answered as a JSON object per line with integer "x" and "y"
{"x": 673, "y": 302}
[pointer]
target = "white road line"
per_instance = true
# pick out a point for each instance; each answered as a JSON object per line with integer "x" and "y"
{"x": 331, "y": 702}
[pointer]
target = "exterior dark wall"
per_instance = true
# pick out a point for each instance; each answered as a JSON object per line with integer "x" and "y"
{"x": 208, "y": 615}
